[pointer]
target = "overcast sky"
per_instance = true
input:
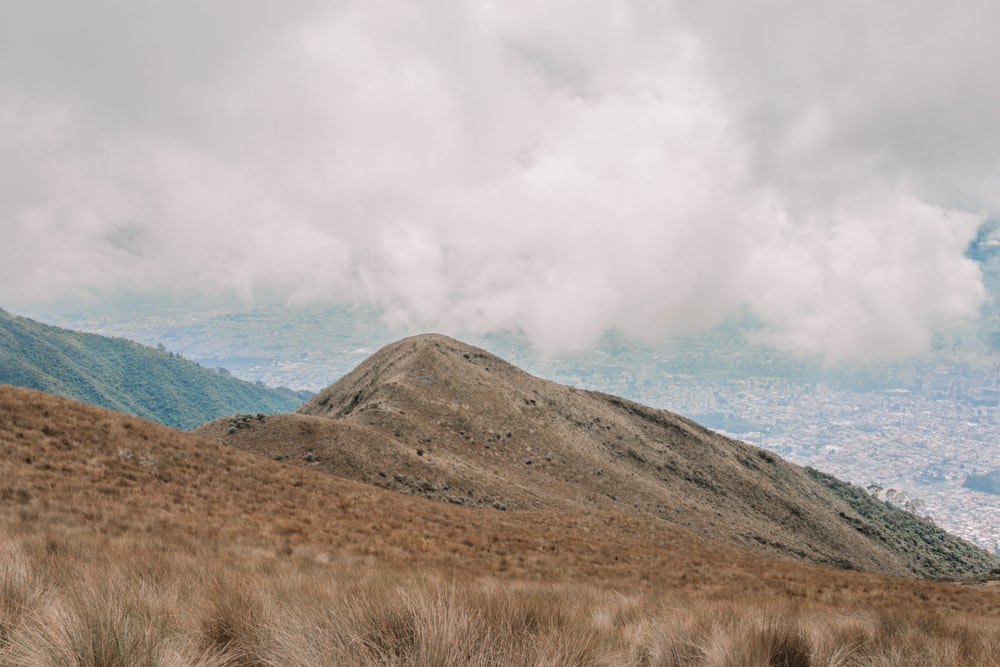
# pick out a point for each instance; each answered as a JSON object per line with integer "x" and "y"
{"x": 554, "y": 166}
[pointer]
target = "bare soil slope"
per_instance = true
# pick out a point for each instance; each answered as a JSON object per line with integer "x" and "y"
{"x": 432, "y": 416}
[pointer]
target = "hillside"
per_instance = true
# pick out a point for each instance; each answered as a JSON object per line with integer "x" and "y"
{"x": 124, "y": 542}
{"x": 125, "y": 376}
{"x": 434, "y": 417}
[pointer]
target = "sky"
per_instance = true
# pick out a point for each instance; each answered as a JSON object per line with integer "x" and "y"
{"x": 553, "y": 167}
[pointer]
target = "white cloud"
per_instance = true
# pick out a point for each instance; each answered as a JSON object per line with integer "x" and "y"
{"x": 553, "y": 167}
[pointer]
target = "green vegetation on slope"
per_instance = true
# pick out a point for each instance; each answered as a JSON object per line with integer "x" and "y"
{"x": 931, "y": 552}
{"x": 126, "y": 376}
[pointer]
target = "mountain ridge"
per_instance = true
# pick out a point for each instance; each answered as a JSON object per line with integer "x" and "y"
{"x": 126, "y": 542}
{"x": 446, "y": 420}
{"x": 126, "y": 376}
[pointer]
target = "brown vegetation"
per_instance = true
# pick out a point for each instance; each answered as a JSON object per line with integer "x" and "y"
{"x": 87, "y": 600}
{"x": 433, "y": 417}
{"x": 126, "y": 543}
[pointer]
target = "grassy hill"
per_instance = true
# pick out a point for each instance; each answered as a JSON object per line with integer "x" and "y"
{"x": 434, "y": 417}
{"x": 123, "y": 542}
{"x": 125, "y": 376}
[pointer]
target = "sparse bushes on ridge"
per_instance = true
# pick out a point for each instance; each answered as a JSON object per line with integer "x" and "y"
{"x": 929, "y": 550}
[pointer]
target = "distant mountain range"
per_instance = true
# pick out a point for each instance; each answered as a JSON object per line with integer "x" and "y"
{"x": 434, "y": 417}
{"x": 127, "y": 377}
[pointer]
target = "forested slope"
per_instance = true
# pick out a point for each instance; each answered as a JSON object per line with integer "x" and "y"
{"x": 125, "y": 376}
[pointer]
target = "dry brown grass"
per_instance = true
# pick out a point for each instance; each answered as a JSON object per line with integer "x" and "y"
{"x": 85, "y": 600}
{"x": 433, "y": 417}
{"x": 124, "y": 543}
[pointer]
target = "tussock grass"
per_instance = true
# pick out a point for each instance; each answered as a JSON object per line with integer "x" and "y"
{"x": 20, "y": 590}
{"x": 123, "y": 543}
{"x": 142, "y": 604}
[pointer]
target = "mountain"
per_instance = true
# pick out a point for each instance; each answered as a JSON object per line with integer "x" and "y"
{"x": 125, "y": 376}
{"x": 69, "y": 469}
{"x": 434, "y": 417}
{"x": 123, "y": 542}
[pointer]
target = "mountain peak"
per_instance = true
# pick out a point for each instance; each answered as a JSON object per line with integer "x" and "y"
{"x": 433, "y": 362}
{"x": 432, "y": 416}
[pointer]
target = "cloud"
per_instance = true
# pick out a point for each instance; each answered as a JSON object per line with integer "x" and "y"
{"x": 560, "y": 169}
